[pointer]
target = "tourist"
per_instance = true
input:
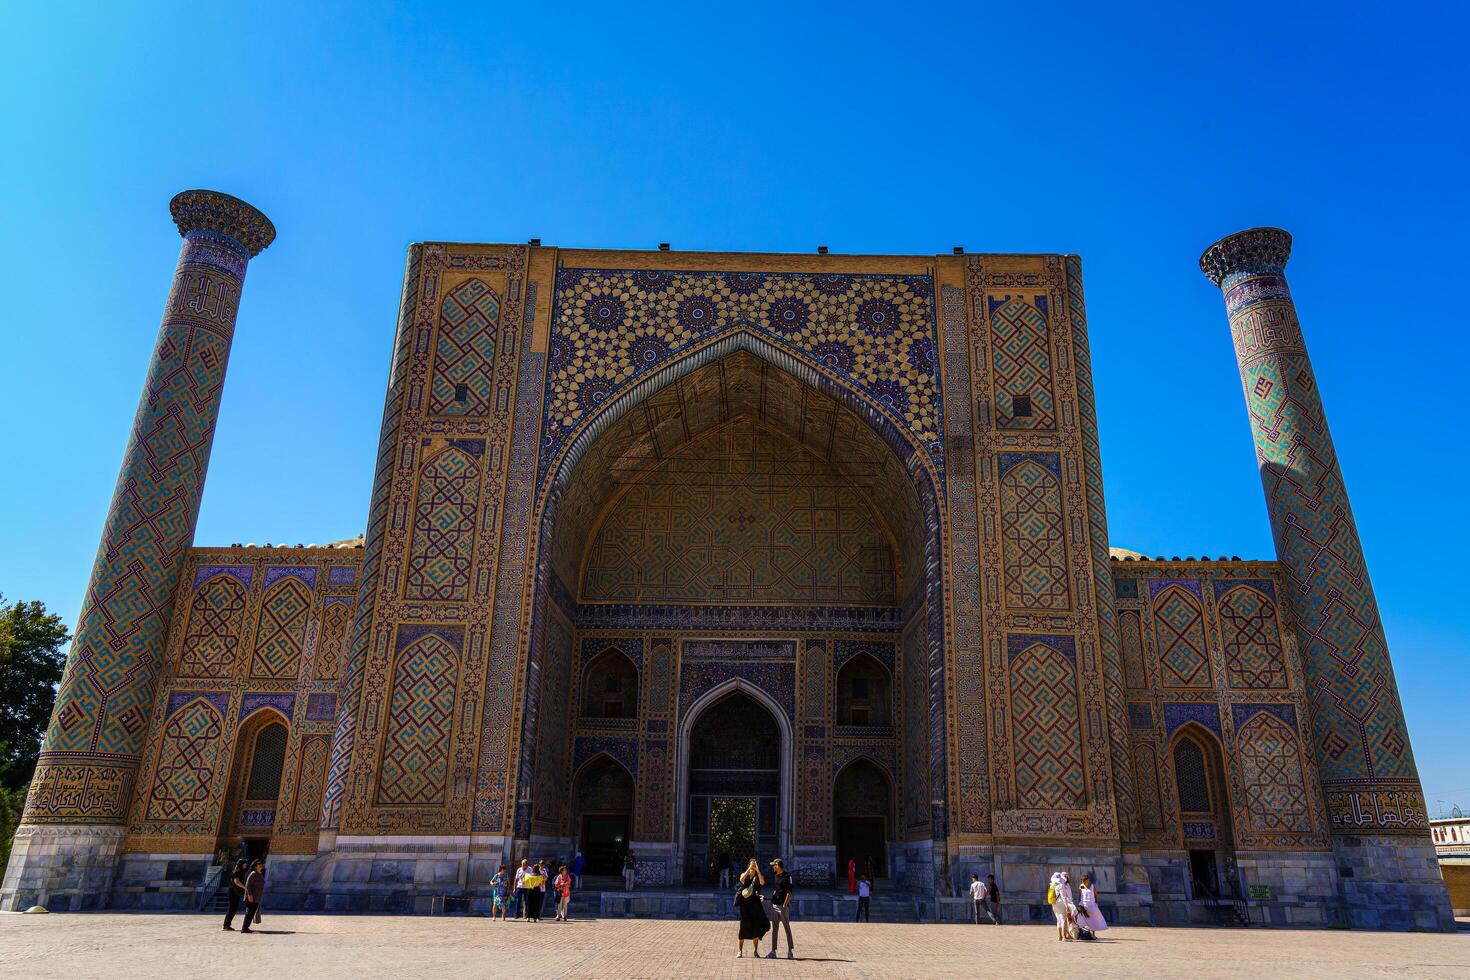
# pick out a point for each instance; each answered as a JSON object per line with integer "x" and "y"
{"x": 238, "y": 875}
{"x": 1059, "y": 896}
{"x": 725, "y": 870}
{"x": 520, "y": 886}
{"x": 254, "y": 892}
{"x": 534, "y": 885}
{"x": 864, "y": 894}
{"x": 852, "y": 876}
{"x": 579, "y": 864}
{"x": 630, "y": 872}
{"x": 499, "y": 899}
{"x": 1089, "y": 916}
{"x": 750, "y": 901}
{"x": 563, "y": 887}
{"x": 992, "y": 897}
{"x": 780, "y": 911}
{"x": 978, "y": 897}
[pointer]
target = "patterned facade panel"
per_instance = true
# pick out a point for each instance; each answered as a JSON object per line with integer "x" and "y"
{"x": 1146, "y": 788}
{"x": 311, "y": 775}
{"x": 1021, "y": 359}
{"x": 612, "y": 328}
{"x": 331, "y": 646}
{"x": 188, "y": 762}
{"x": 281, "y": 630}
{"x": 1271, "y": 776}
{"x": 553, "y": 731}
{"x": 415, "y": 759}
{"x": 1046, "y": 725}
{"x": 1033, "y": 531}
{"x": 1179, "y": 637}
{"x": 464, "y": 351}
{"x": 216, "y": 619}
{"x": 1251, "y": 639}
{"x": 1130, "y": 635}
{"x": 441, "y": 557}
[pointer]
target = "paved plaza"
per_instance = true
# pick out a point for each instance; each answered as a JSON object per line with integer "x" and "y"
{"x": 121, "y": 947}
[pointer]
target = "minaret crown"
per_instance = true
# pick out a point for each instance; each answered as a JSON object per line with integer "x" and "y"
{"x": 224, "y": 216}
{"x": 1252, "y": 250}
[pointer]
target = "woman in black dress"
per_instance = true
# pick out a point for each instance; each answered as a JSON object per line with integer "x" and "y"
{"x": 753, "y": 921}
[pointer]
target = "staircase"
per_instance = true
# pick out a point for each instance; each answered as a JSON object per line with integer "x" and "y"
{"x": 213, "y": 898}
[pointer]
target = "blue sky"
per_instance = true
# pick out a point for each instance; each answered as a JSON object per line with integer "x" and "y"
{"x": 1129, "y": 135}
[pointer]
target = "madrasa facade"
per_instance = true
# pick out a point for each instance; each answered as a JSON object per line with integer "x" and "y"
{"x": 718, "y": 555}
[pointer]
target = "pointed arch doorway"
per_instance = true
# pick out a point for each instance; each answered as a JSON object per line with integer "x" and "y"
{"x": 734, "y": 791}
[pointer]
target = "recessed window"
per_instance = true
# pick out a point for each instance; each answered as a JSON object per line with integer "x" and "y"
{"x": 612, "y": 708}
{"x": 462, "y": 393}
{"x": 614, "y": 684}
{"x": 860, "y": 687}
{"x": 859, "y": 716}
{"x": 1021, "y": 406}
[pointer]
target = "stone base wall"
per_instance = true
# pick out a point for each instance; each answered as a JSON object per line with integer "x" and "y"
{"x": 161, "y": 882}
{"x": 1392, "y": 883}
{"x": 64, "y": 868}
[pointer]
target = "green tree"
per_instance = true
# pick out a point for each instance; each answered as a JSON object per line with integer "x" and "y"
{"x": 32, "y": 655}
{"x": 11, "y": 805}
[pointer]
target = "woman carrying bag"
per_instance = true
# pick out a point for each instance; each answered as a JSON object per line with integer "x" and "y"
{"x": 751, "y": 903}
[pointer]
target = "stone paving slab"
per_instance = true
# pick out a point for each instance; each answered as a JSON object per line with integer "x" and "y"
{"x": 123, "y": 947}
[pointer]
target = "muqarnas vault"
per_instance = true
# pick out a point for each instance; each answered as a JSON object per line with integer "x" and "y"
{"x": 716, "y": 555}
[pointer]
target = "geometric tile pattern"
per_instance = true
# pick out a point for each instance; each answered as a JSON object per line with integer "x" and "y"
{"x": 415, "y": 763}
{"x": 612, "y": 327}
{"x": 466, "y": 351}
{"x": 1022, "y": 361}
{"x": 742, "y": 515}
{"x": 1131, "y": 634}
{"x": 282, "y": 630}
{"x": 1362, "y": 743}
{"x": 1180, "y": 635}
{"x": 1252, "y": 643}
{"x": 311, "y": 774}
{"x": 215, "y": 618}
{"x": 1032, "y": 532}
{"x": 331, "y": 645}
{"x": 444, "y": 525}
{"x": 1146, "y": 786}
{"x": 1271, "y": 776}
{"x": 193, "y": 739}
{"x": 1045, "y": 726}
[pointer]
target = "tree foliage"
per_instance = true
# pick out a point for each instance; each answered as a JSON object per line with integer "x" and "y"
{"x": 32, "y": 654}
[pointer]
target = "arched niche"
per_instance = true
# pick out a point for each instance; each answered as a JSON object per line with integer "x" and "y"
{"x": 610, "y": 686}
{"x": 864, "y": 692}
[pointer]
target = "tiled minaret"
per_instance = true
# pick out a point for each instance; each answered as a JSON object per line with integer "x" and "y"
{"x": 1386, "y": 864}
{"x": 66, "y": 847}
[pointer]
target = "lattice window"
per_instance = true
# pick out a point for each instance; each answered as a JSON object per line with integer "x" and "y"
{"x": 266, "y": 763}
{"x": 1189, "y": 774}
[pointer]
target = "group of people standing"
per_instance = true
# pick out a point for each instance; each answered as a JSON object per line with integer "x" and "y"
{"x": 986, "y": 896}
{"x": 528, "y": 889}
{"x": 760, "y": 914}
{"x": 1081, "y": 919}
{"x": 247, "y": 884}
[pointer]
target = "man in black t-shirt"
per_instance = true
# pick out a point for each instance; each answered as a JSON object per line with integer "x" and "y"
{"x": 780, "y": 909}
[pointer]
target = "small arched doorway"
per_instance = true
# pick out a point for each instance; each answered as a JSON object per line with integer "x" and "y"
{"x": 736, "y": 772}
{"x": 602, "y": 801}
{"x": 864, "y": 693}
{"x": 610, "y": 686}
{"x": 1204, "y": 812}
{"x": 251, "y": 809}
{"x": 862, "y": 808}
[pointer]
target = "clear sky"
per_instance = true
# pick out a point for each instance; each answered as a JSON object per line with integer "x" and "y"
{"x": 1131, "y": 136}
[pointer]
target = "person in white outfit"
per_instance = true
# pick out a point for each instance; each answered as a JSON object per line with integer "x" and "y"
{"x": 1089, "y": 916}
{"x": 1062, "y": 905}
{"x": 980, "y": 896}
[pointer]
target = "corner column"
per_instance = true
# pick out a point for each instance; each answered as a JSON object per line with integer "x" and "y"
{"x": 1380, "y": 832}
{"x": 67, "y": 846}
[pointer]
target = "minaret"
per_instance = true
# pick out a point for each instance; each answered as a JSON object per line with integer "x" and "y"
{"x": 1380, "y": 834}
{"x": 67, "y": 845}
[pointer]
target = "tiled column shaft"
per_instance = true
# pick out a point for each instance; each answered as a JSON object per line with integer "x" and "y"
{"x": 1361, "y": 742}
{"x": 100, "y": 721}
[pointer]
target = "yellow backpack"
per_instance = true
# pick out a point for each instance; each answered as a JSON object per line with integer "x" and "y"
{"x": 1051, "y": 894}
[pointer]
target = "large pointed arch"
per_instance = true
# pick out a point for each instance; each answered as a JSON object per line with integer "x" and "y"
{"x": 920, "y": 464}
